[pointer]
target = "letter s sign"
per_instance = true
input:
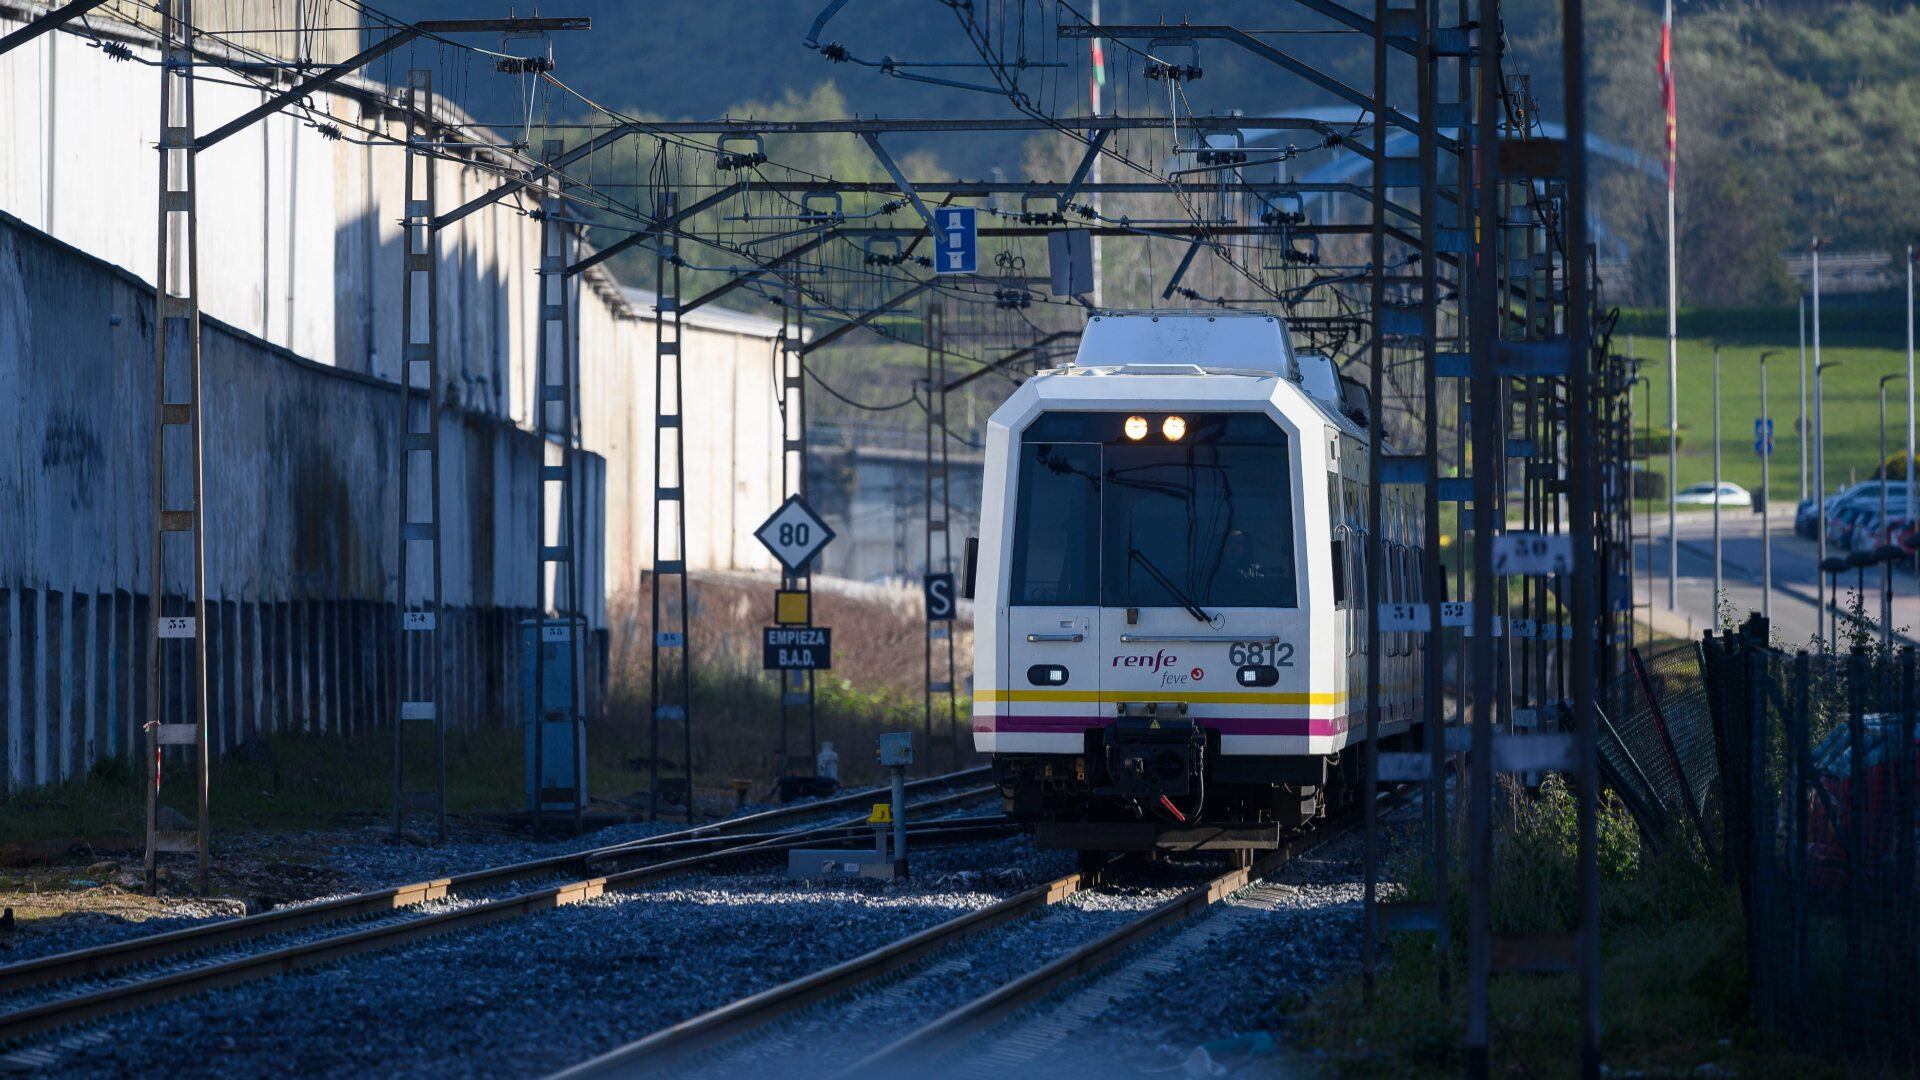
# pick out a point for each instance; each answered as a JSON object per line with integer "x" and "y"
{"x": 940, "y": 603}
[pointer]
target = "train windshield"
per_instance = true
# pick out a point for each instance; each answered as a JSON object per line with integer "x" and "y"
{"x": 1112, "y": 521}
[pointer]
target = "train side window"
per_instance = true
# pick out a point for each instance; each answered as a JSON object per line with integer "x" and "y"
{"x": 1337, "y": 548}
{"x": 1358, "y": 590}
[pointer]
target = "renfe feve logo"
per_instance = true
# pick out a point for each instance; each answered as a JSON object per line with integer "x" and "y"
{"x": 1154, "y": 663}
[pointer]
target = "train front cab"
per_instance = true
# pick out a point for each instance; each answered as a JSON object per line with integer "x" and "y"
{"x": 1176, "y": 651}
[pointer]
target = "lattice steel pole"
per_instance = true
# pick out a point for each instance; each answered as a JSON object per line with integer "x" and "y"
{"x": 1484, "y": 395}
{"x": 554, "y": 404}
{"x": 1368, "y": 607}
{"x": 796, "y": 686}
{"x": 1426, "y": 766}
{"x": 1553, "y": 348}
{"x": 177, "y": 410}
{"x": 672, "y": 692}
{"x": 938, "y": 557}
{"x": 416, "y": 692}
{"x": 1433, "y": 574}
{"x": 1580, "y": 496}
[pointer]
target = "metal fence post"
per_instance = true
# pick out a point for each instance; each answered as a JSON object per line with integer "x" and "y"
{"x": 1800, "y": 779}
{"x": 1758, "y": 863}
{"x": 1856, "y": 832}
{"x": 1904, "y": 911}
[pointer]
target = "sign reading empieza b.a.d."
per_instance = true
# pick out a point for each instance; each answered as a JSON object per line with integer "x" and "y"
{"x": 797, "y": 648}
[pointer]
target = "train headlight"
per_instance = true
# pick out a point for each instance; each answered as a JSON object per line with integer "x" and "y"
{"x": 1136, "y": 427}
{"x": 1174, "y": 428}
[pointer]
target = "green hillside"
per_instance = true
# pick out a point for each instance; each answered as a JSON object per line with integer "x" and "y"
{"x": 1796, "y": 118}
{"x": 1851, "y": 392}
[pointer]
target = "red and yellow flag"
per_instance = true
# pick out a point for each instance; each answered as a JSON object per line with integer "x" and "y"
{"x": 1666, "y": 89}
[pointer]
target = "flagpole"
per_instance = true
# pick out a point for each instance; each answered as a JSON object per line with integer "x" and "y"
{"x": 1673, "y": 319}
{"x": 1095, "y": 80}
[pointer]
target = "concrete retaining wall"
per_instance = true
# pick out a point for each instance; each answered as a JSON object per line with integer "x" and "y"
{"x": 300, "y": 278}
{"x": 301, "y": 512}
{"x": 301, "y": 248}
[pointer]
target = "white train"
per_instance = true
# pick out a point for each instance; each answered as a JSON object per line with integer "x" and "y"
{"x": 1170, "y": 643}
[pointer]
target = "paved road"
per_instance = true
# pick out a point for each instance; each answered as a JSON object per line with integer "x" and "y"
{"x": 1795, "y": 580}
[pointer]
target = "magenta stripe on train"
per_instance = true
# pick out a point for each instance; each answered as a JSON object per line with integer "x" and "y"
{"x": 1226, "y": 725}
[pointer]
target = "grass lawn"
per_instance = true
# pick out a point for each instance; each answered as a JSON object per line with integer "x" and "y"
{"x": 1673, "y": 966}
{"x": 1866, "y": 348}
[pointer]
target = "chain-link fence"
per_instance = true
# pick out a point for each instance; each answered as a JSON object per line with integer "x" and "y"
{"x": 1657, "y": 744}
{"x": 1820, "y": 777}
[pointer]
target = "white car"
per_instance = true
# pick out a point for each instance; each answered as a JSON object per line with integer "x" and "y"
{"x": 1707, "y": 495}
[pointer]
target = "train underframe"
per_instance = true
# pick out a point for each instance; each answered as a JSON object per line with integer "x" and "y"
{"x": 1162, "y": 784}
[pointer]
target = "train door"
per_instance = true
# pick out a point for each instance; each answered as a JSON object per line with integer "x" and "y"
{"x": 1353, "y": 464}
{"x": 1346, "y": 515}
{"x": 1052, "y": 659}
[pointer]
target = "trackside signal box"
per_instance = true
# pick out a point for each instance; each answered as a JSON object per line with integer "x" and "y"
{"x": 556, "y": 722}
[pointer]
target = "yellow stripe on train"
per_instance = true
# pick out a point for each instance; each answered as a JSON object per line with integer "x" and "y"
{"x": 1216, "y": 697}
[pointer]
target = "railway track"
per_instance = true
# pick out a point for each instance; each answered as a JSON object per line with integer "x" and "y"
{"x": 744, "y": 1017}
{"x": 688, "y": 851}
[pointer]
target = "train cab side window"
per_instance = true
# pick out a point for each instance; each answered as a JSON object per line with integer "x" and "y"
{"x": 1056, "y": 547}
{"x": 1337, "y": 547}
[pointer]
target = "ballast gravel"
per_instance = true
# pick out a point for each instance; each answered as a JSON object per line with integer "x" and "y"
{"x": 1225, "y": 979}
{"x": 823, "y": 1040}
{"x": 344, "y": 861}
{"x": 529, "y": 995}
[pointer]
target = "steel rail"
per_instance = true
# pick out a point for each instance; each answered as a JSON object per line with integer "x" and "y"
{"x": 738, "y": 1018}
{"x": 81, "y": 963}
{"x": 945, "y": 1032}
{"x": 110, "y": 1000}
{"x": 749, "y": 1013}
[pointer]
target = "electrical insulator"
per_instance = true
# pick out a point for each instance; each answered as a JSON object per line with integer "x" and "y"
{"x": 523, "y": 65}
{"x": 1175, "y": 72}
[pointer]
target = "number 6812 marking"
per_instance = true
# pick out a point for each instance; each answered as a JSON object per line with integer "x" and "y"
{"x": 1270, "y": 653}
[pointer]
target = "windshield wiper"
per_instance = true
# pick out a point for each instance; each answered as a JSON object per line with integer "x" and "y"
{"x": 1185, "y": 601}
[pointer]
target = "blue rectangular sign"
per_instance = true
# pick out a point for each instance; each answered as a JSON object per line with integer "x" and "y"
{"x": 959, "y": 240}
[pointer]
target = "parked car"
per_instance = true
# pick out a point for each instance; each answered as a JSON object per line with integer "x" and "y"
{"x": 1908, "y": 536}
{"x": 1830, "y": 813}
{"x": 1859, "y": 527}
{"x": 1805, "y": 523}
{"x": 1844, "y": 522}
{"x": 1881, "y": 533}
{"x": 1863, "y": 493}
{"x": 1706, "y": 495}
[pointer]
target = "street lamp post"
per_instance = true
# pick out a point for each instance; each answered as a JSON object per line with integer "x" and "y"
{"x": 1800, "y": 427}
{"x": 1646, "y": 390}
{"x": 1820, "y": 447}
{"x": 1765, "y": 444}
{"x": 1886, "y": 566}
{"x": 1717, "y": 579}
{"x": 1832, "y": 566}
{"x": 1633, "y": 492}
{"x": 1819, "y": 443}
{"x": 1673, "y": 470}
